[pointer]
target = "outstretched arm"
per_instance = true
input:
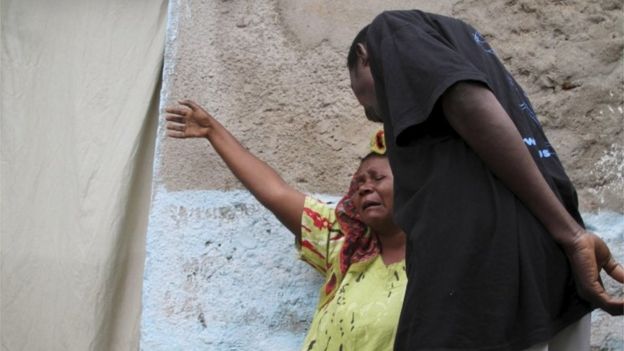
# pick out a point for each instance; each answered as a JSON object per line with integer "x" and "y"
{"x": 189, "y": 120}
{"x": 477, "y": 116}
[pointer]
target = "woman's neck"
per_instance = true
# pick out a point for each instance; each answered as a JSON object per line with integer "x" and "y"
{"x": 392, "y": 243}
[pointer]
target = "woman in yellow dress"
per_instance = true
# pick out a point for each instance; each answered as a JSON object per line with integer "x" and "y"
{"x": 355, "y": 245}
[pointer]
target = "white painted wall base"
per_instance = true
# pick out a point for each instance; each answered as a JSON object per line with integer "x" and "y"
{"x": 222, "y": 274}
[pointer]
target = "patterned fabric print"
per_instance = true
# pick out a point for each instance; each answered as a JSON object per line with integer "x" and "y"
{"x": 364, "y": 311}
{"x": 342, "y": 225}
{"x": 378, "y": 143}
{"x": 321, "y": 241}
{"x": 359, "y": 245}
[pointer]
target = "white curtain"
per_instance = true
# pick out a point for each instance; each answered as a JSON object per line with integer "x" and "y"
{"x": 80, "y": 85}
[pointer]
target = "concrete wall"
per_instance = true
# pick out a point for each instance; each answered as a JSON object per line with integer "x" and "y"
{"x": 221, "y": 272}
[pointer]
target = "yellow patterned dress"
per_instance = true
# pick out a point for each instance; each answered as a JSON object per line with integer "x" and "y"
{"x": 363, "y": 312}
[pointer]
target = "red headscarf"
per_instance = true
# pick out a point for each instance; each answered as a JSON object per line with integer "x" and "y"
{"x": 359, "y": 244}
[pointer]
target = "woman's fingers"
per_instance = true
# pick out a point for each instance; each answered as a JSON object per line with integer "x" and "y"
{"x": 190, "y": 104}
{"x": 174, "y": 118}
{"x": 186, "y": 120}
{"x": 178, "y": 110}
{"x": 175, "y": 134}
{"x": 176, "y": 127}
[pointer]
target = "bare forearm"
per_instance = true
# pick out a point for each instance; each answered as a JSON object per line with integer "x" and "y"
{"x": 259, "y": 178}
{"x": 190, "y": 120}
{"x": 477, "y": 116}
{"x": 255, "y": 174}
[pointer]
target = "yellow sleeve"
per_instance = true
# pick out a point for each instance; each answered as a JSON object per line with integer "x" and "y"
{"x": 321, "y": 237}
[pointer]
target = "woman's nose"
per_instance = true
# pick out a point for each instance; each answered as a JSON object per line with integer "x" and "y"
{"x": 365, "y": 188}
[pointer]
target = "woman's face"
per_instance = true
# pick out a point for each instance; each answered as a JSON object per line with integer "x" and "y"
{"x": 374, "y": 191}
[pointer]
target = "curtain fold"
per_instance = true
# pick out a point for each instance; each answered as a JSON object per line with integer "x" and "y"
{"x": 80, "y": 84}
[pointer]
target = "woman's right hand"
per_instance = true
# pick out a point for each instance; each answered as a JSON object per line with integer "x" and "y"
{"x": 188, "y": 120}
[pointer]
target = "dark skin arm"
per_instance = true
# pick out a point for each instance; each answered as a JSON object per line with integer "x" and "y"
{"x": 189, "y": 120}
{"x": 477, "y": 116}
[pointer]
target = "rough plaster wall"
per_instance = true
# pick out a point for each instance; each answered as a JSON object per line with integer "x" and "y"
{"x": 567, "y": 54}
{"x": 221, "y": 273}
{"x": 214, "y": 280}
{"x": 274, "y": 73}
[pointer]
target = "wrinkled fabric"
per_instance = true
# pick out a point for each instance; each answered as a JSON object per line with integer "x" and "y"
{"x": 80, "y": 83}
{"x": 364, "y": 311}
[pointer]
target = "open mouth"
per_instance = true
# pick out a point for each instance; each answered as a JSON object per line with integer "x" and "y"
{"x": 369, "y": 204}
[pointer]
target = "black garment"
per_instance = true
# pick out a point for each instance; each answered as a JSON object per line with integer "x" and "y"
{"x": 484, "y": 274}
